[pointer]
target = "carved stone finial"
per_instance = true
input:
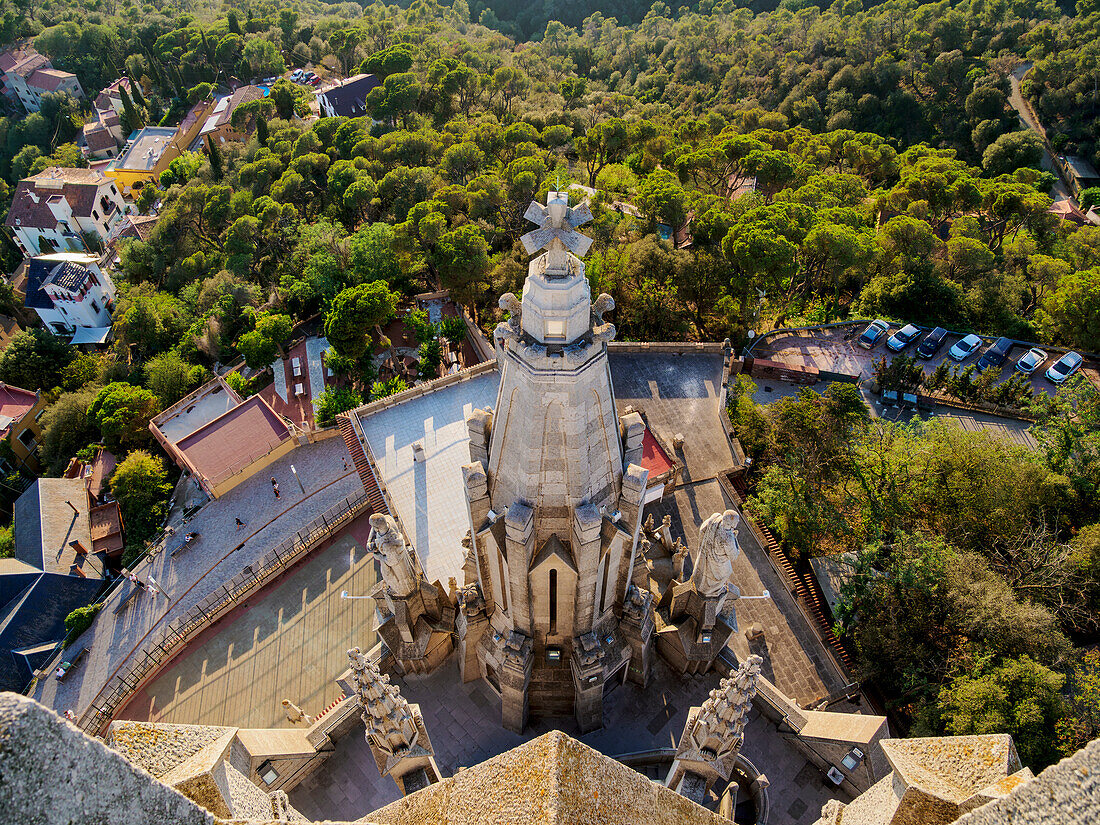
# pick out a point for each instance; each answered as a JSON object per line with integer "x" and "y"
{"x": 604, "y": 303}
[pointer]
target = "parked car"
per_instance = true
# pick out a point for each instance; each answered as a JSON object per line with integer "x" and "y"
{"x": 965, "y": 347}
{"x": 1031, "y": 360}
{"x": 308, "y": 76}
{"x": 297, "y": 75}
{"x": 1064, "y": 367}
{"x": 269, "y": 81}
{"x": 996, "y": 354}
{"x": 315, "y": 82}
{"x": 932, "y": 343}
{"x": 873, "y": 334}
{"x": 903, "y": 337}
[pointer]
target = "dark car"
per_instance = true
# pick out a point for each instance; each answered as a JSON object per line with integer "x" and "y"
{"x": 873, "y": 334}
{"x": 932, "y": 343}
{"x": 995, "y": 355}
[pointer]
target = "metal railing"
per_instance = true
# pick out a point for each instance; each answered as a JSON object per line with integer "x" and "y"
{"x": 151, "y": 656}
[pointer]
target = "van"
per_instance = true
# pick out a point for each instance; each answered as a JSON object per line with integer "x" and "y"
{"x": 932, "y": 343}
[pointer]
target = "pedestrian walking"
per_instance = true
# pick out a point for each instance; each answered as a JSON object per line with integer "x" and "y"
{"x": 153, "y": 588}
{"x": 275, "y": 487}
{"x": 345, "y": 462}
{"x": 240, "y": 523}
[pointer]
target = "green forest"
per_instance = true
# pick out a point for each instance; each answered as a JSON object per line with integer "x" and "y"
{"x": 827, "y": 162}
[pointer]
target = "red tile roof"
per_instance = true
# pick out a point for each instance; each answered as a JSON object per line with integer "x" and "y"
{"x": 15, "y": 403}
{"x": 234, "y": 440}
{"x": 79, "y": 187}
{"x": 48, "y": 79}
{"x": 653, "y": 457}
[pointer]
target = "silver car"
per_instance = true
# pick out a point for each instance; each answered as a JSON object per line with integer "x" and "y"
{"x": 1064, "y": 367}
{"x": 1031, "y": 360}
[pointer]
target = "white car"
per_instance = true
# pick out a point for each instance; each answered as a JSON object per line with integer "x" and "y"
{"x": 965, "y": 348}
{"x": 1031, "y": 361}
{"x": 1064, "y": 367}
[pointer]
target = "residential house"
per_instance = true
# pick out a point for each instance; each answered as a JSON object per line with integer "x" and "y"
{"x": 104, "y": 515}
{"x": 218, "y": 124}
{"x": 222, "y": 439}
{"x": 54, "y": 571}
{"x": 146, "y": 155}
{"x": 69, "y": 291}
{"x": 103, "y": 136}
{"x": 28, "y": 75}
{"x": 1080, "y": 173}
{"x": 348, "y": 98}
{"x": 111, "y": 97}
{"x": 20, "y": 412}
{"x": 57, "y": 209}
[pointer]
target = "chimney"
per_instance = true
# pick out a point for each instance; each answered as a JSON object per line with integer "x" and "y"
{"x": 80, "y": 549}
{"x": 32, "y": 195}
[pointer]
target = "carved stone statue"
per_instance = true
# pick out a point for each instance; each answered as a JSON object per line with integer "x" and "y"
{"x": 388, "y": 547}
{"x": 718, "y": 548}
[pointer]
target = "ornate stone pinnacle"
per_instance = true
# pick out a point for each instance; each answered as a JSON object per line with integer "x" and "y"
{"x": 720, "y": 725}
{"x": 387, "y": 716}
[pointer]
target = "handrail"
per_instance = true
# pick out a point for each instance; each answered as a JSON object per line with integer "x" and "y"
{"x": 180, "y": 630}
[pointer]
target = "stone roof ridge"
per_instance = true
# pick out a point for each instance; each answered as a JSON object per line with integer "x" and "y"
{"x": 160, "y": 747}
{"x": 204, "y": 760}
{"x": 952, "y": 767}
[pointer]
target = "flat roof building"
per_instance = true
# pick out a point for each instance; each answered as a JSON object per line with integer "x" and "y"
{"x": 221, "y": 438}
{"x": 146, "y": 155}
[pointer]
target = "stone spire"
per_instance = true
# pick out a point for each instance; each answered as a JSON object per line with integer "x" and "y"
{"x": 554, "y": 502}
{"x": 395, "y": 729}
{"x": 714, "y": 733}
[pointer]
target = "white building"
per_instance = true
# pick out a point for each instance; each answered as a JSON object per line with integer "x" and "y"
{"x": 28, "y": 75}
{"x": 68, "y": 290}
{"x": 53, "y": 209}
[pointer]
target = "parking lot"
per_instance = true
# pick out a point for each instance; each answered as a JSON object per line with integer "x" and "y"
{"x": 835, "y": 350}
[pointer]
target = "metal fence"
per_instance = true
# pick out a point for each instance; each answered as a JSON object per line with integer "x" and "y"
{"x": 176, "y": 634}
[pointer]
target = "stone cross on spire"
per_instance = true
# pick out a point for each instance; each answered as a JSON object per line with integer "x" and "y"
{"x": 395, "y": 729}
{"x": 713, "y": 733}
{"x": 557, "y": 233}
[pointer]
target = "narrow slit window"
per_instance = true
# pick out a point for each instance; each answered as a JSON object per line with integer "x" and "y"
{"x": 553, "y": 601}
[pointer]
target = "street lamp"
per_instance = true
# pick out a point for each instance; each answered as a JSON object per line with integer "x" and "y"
{"x": 766, "y": 595}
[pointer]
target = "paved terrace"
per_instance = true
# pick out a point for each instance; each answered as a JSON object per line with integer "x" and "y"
{"x": 222, "y": 551}
{"x": 427, "y": 493}
{"x": 463, "y": 722}
{"x": 287, "y": 641}
{"x": 680, "y": 393}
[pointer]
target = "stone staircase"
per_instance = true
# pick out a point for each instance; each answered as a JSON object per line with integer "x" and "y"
{"x": 362, "y": 466}
{"x": 551, "y": 690}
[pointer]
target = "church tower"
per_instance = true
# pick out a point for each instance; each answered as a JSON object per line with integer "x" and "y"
{"x": 555, "y": 511}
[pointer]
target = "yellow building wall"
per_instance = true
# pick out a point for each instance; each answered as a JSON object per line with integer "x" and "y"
{"x": 126, "y": 178}
{"x": 224, "y": 487}
{"x": 28, "y": 458}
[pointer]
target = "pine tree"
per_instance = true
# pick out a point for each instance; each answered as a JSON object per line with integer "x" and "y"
{"x": 261, "y": 128}
{"x": 138, "y": 97}
{"x": 130, "y": 112}
{"x": 217, "y": 163}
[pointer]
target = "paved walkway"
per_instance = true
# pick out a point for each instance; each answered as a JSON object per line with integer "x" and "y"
{"x": 220, "y": 553}
{"x": 463, "y": 722}
{"x": 286, "y": 642}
